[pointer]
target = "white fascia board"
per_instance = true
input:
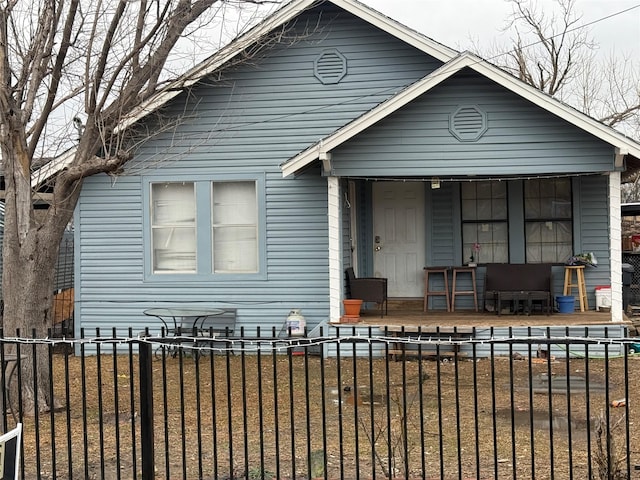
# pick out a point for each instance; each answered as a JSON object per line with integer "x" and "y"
{"x": 374, "y": 115}
{"x": 225, "y": 54}
{"x": 550, "y": 104}
{"x": 49, "y": 169}
{"x": 467, "y": 59}
{"x": 275, "y": 20}
{"x": 402, "y": 32}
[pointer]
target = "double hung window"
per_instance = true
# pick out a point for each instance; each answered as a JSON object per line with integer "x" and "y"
{"x": 548, "y": 224}
{"x": 204, "y": 227}
{"x": 485, "y": 221}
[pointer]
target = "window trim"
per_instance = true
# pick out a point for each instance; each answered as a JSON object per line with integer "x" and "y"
{"x": 204, "y": 246}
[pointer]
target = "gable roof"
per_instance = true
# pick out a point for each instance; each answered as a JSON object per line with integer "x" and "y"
{"x": 236, "y": 47}
{"x": 623, "y": 144}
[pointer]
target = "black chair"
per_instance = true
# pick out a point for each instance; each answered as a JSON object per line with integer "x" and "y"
{"x": 370, "y": 289}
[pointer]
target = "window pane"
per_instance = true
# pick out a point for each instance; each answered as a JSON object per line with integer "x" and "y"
{"x": 173, "y": 227}
{"x": 492, "y": 239}
{"x": 469, "y": 210}
{"x": 236, "y": 249}
{"x": 548, "y": 198}
{"x": 235, "y": 227}
{"x": 174, "y": 249}
{"x": 548, "y": 242}
{"x": 173, "y": 204}
{"x": 234, "y": 203}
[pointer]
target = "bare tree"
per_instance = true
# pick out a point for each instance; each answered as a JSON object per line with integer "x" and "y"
{"x": 547, "y": 47}
{"x": 553, "y": 51}
{"x": 106, "y": 57}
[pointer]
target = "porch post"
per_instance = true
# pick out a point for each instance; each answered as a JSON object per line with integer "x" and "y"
{"x": 335, "y": 248}
{"x": 615, "y": 247}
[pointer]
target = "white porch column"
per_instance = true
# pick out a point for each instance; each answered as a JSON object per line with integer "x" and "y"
{"x": 615, "y": 246}
{"x": 335, "y": 248}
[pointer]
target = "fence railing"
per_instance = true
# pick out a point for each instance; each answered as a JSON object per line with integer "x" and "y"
{"x": 360, "y": 406}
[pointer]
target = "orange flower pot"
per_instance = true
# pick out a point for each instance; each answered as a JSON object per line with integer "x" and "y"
{"x": 352, "y": 307}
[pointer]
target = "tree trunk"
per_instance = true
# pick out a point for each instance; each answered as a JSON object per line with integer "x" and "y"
{"x": 28, "y": 295}
{"x": 29, "y": 254}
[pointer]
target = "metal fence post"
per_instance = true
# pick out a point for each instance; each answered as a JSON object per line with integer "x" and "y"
{"x": 146, "y": 411}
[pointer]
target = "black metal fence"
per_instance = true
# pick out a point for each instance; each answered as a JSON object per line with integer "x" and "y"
{"x": 262, "y": 407}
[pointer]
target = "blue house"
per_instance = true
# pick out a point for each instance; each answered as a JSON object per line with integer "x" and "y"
{"x": 331, "y": 136}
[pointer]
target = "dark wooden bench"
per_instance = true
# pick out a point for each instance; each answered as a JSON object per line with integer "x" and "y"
{"x": 516, "y": 283}
{"x": 448, "y": 338}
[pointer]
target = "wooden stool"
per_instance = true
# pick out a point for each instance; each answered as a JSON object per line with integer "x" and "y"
{"x": 580, "y": 284}
{"x": 454, "y": 292}
{"x": 428, "y": 292}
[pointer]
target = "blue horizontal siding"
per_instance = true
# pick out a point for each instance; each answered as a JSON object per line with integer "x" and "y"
{"x": 521, "y": 138}
{"x": 249, "y": 121}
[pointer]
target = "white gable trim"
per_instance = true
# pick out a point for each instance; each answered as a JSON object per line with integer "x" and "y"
{"x": 402, "y": 32}
{"x": 276, "y": 20}
{"x": 570, "y": 114}
{"x": 373, "y": 116}
{"x": 224, "y": 55}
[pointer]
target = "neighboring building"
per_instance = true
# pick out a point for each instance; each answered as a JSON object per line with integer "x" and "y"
{"x": 352, "y": 140}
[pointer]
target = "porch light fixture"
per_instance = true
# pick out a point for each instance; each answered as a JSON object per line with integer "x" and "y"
{"x": 435, "y": 183}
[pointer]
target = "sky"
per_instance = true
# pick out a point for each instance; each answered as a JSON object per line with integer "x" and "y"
{"x": 456, "y": 22}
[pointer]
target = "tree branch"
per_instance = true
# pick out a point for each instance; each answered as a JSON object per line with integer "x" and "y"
{"x": 56, "y": 76}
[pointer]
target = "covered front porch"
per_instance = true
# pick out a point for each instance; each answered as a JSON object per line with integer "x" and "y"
{"x": 426, "y": 228}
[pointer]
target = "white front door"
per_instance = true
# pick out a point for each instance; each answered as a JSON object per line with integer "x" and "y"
{"x": 399, "y": 236}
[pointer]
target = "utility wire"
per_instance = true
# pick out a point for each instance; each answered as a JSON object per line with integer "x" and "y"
{"x": 571, "y": 30}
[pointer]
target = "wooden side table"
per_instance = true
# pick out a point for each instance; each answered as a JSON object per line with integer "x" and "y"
{"x": 579, "y": 284}
{"x": 455, "y": 292}
{"x": 427, "y": 288}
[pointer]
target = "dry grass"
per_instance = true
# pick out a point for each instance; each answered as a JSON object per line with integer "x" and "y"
{"x": 272, "y": 408}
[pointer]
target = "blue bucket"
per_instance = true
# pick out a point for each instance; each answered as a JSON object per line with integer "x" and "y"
{"x": 566, "y": 303}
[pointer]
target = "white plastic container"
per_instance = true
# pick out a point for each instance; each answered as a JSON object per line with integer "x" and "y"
{"x": 603, "y": 298}
{"x": 296, "y": 323}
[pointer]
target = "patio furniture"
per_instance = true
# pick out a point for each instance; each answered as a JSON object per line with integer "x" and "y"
{"x": 579, "y": 284}
{"x": 521, "y": 282}
{"x": 182, "y": 321}
{"x": 454, "y": 284}
{"x": 444, "y": 271}
{"x": 9, "y": 364}
{"x": 368, "y": 289}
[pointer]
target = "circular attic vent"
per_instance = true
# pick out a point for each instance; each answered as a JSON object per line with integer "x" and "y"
{"x": 330, "y": 66}
{"x": 468, "y": 123}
